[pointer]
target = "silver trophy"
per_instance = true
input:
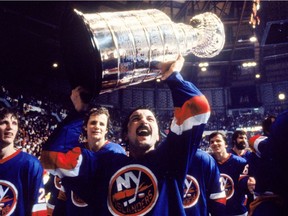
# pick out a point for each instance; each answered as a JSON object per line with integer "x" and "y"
{"x": 112, "y": 50}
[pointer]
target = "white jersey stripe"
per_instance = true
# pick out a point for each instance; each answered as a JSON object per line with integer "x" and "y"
{"x": 189, "y": 123}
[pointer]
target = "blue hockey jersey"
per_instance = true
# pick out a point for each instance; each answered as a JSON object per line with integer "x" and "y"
{"x": 234, "y": 172}
{"x": 21, "y": 186}
{"x": 272, "y": 151}
{"x": 74, "y": 204}
{"x": 115, "y": 184}
{"x": 204, "y": 190}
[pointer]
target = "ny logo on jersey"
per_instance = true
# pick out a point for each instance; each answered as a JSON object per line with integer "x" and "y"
{"x": 228, "y": 183}
{"x": 8, "y": 197}
{"x": 191, "y": 192}
{"x": 132, "y": 191}
{"x": 77, "y": 201}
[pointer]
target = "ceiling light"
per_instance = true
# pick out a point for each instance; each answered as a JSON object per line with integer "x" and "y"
{"x": 203, "y": 69}
{"x": 249, "y": 64}
{"x": 281, "y": 96}
{"x": 55, "y": 65}
{"x": 253, "y": 39}
{"x": 203, "y": 64}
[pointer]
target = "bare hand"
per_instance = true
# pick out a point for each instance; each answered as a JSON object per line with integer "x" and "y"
{"x": 168, "y": 68}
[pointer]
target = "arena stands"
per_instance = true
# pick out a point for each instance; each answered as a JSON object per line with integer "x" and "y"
{"x": 39, "y": 118}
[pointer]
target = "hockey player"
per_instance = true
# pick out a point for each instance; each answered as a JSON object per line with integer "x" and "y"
{"x": 21, "y": 174}
{"x": 271, "y": 150}
{"x": 204, "y": 188}
{"x": 234, "y": 170}
{"x": 67, "y": 135}
{"x": 240, "y": 145}
{"x": 95, "y": 129}
{"x": 150, "y": 181}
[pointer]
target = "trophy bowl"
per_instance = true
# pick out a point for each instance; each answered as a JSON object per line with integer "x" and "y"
{"x": 108, "y": 51}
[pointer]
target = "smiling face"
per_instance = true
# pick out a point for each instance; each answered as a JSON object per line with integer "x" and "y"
{"x": 143, "y": 132}
{"x": 218, "y": 144}
{"x": 97, "y": 128}
{"x": 8, "y": 130}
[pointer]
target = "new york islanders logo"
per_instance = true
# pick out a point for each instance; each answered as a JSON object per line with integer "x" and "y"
{"x": 228, "y": 185}
{"x": 191, "y": 192}
{"x": 8, "y": 198}
{"x": 57, "y": 182}
{"x": 77, "y": 201}
{"x": 132, "y": 191}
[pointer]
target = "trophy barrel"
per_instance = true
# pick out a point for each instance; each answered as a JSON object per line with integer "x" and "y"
{"x": 111, "y": 50}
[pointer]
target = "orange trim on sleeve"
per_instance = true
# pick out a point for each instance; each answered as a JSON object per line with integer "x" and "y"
{"x": 54, "y": 160}
{"x": 194, "y": 106}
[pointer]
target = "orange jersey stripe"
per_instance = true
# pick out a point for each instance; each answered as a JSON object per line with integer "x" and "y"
{"x": 54, "y": 160}
{"x": 194, "y": 106}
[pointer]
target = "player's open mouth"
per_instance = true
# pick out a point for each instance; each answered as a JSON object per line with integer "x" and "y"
{"x": 143, "y": 131}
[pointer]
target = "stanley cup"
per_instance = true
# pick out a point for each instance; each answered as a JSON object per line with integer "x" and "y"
{"x": 112, "y": 50}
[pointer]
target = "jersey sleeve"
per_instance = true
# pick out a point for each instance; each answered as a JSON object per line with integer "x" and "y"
{"x": 62, "y": 163}
{"x": 191, "y": 108}
{"x": 61, "y": 154}
{"x": 191, "y": 113}
{"x": 65, "y": 136}
{"x": 35, "y": 183}
{"x": 257, "y": 144}
{"x": 68, "y": 164}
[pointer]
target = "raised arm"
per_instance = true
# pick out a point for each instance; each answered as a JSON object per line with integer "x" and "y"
{"x": 191, "y": 107}
{"x": 191, "y": 113}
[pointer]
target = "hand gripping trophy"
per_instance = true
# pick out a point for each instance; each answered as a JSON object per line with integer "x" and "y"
{"x": 111, "y": 50}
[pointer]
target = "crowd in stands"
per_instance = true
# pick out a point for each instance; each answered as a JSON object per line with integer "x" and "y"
{"x": 39, "y": 118}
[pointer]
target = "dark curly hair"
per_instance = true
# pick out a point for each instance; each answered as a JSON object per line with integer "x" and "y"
{"x": 236, "y": 134}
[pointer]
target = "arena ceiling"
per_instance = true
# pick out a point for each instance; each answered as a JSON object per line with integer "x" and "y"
{"x": 29, "y": 40}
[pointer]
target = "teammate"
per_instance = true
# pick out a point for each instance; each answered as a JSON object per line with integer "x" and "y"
{"x": 150, "y": 181}
{"x": 267, "y": 124}
{"x": 67, "y": 135}
{"x": 95, "y": 128}
{"x": 271, "y": 195}
{"x": 234, "y": 171}
{"x": 68, "y": 131}
{"x": 204, "y": 188}
{"x": 21, "y": 174}
{"x": 240, "y": 146}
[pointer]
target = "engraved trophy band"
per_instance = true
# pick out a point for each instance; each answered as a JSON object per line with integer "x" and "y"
{"x": 111, "y": 50}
